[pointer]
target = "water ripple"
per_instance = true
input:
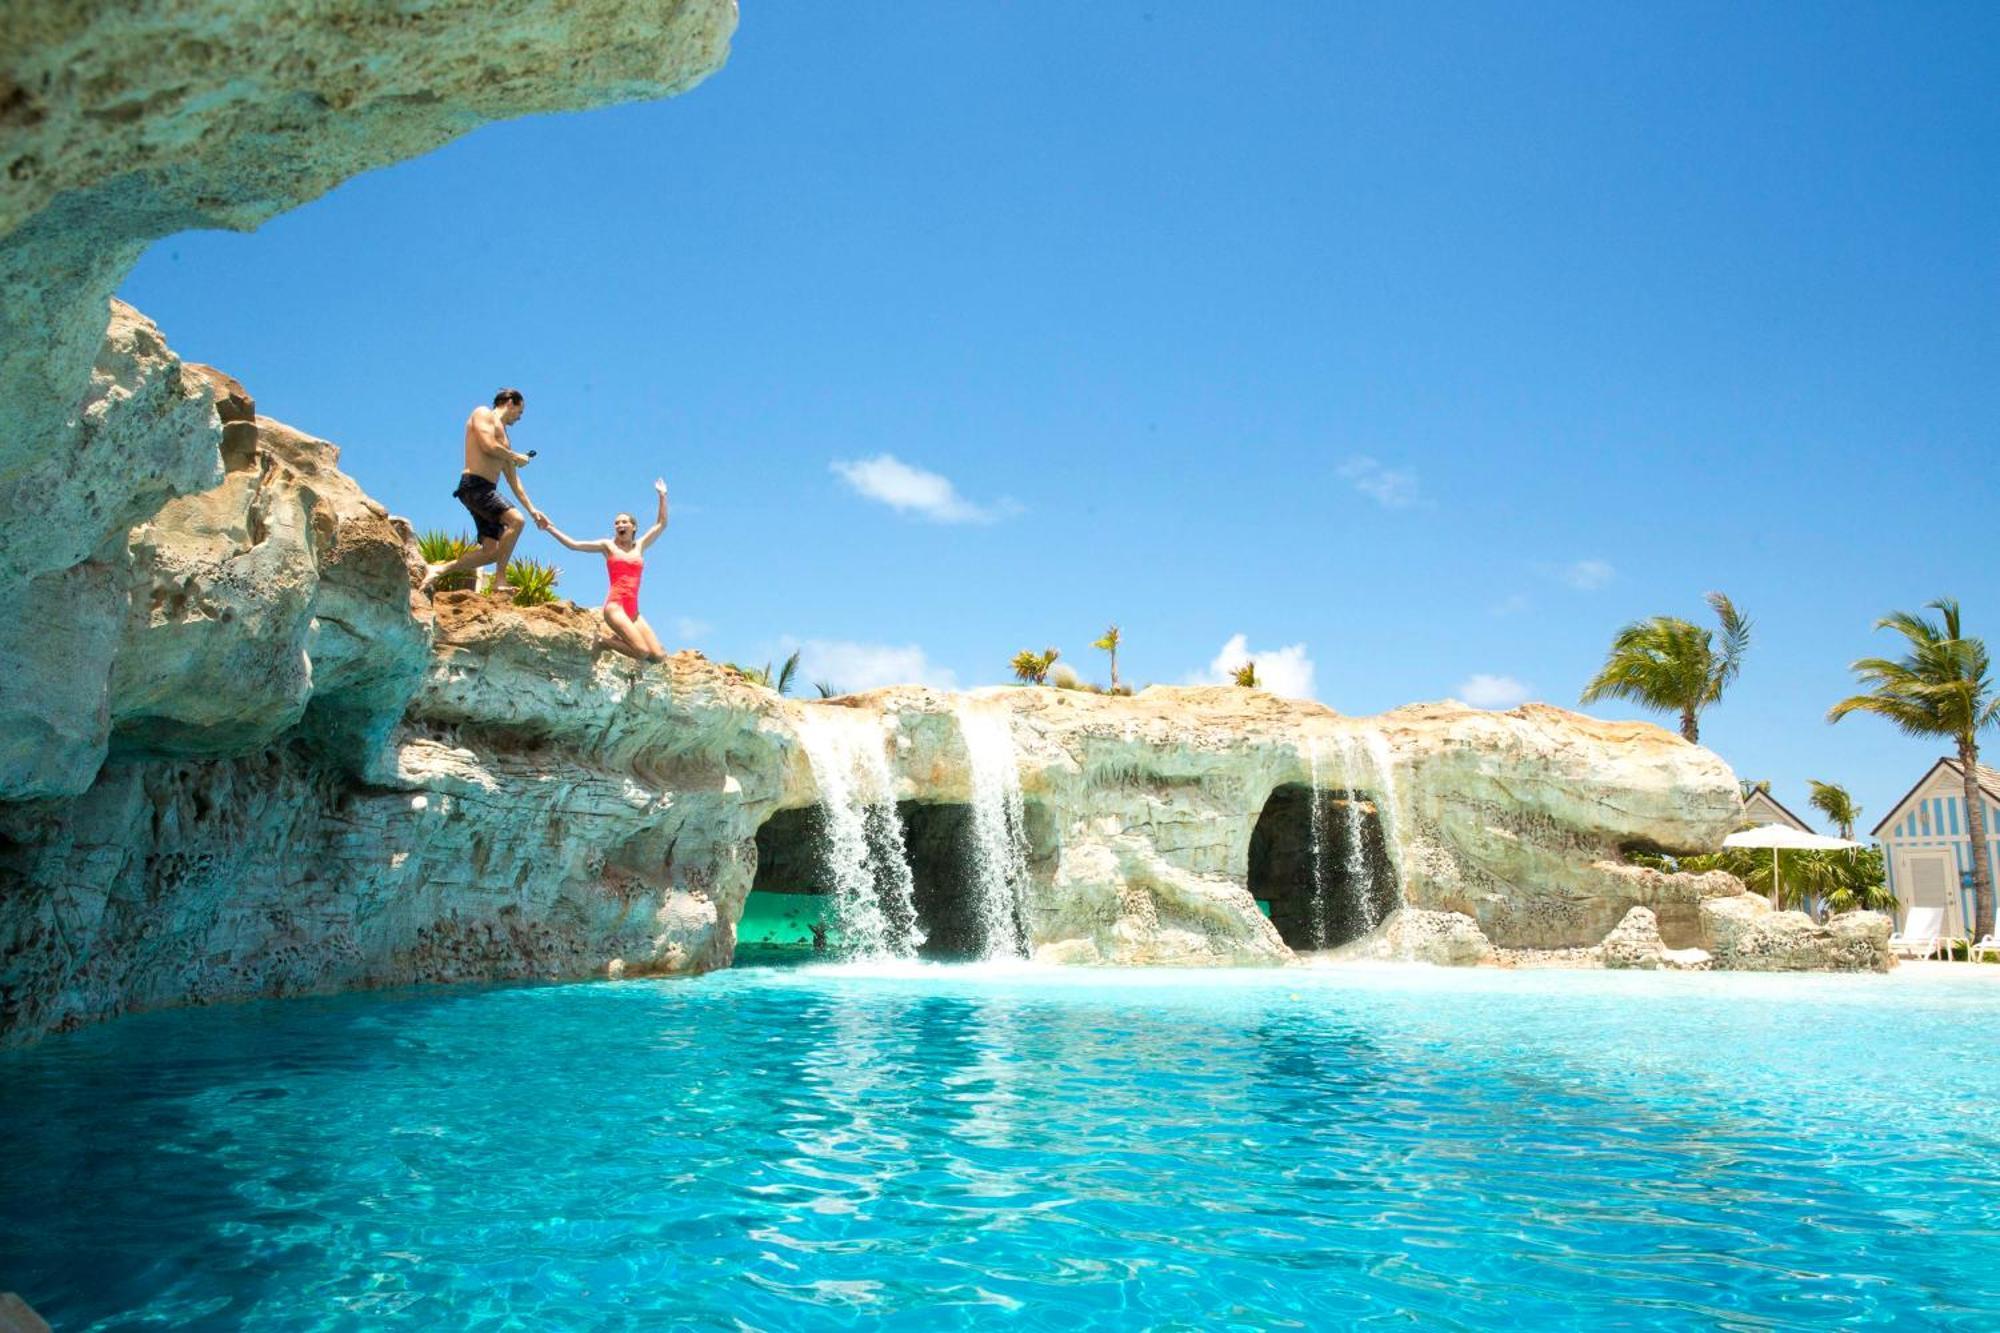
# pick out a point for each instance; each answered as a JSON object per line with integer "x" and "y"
{"x": 930, "y": 1148}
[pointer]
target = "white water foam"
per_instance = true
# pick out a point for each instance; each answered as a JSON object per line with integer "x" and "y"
{"x": 1317, "y": 823}
{"x": 999, "y": 830}
{"x": 873, "y": 897}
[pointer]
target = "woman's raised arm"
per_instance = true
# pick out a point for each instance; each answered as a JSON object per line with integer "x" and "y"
{"x": 660, "y": 523}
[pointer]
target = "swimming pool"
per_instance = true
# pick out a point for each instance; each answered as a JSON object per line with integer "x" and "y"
{"x": 933, "y": 1147}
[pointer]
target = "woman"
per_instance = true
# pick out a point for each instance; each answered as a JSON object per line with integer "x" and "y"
{"x": 625, "y": 561}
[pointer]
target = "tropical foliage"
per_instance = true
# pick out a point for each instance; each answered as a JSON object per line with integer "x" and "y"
{"x": 1941, "y": 688}
{"x": 1108, "y": 643}
{"x": 533, "y": 582}
{"x": 1673, "y": 665}
{"x": 1832, "y": 800}
{"x": 782, "y": 681}
{"x": 1840, "y": 881}
{"x": 825, "y": 689}
{"x": 1033, "y": 667}
{"x": 441, "y": 548}
{"x": 1246, "y": 675}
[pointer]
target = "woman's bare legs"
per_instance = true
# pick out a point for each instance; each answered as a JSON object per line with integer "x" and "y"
{"x": 652, "y": 640}
{"x": 625, "y": 636}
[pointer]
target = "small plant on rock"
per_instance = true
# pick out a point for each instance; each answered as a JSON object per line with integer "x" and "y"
{"x": 533, "y": 582}
{"x": 1032, "y": 667}
{"x": 441, "y": 548}
{"x": 1109, "y": 644}
{"x": 1246, "y": 675}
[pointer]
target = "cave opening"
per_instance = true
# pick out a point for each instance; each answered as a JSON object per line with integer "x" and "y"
{"x": 1323, "y": 900}
{"x": 790, "y": 904}
{"x": 788, "y": 916}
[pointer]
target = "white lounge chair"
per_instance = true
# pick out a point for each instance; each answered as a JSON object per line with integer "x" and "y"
{"x": 1990, "y": 944}
{"x": 1921, "y": 935}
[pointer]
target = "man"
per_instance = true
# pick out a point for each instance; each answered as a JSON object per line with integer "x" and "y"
{"x": 488, "y": 453}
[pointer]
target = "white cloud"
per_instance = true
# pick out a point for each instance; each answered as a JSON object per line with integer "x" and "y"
{"x": 850, "y": 666}
{"x": 1282, "y": 671}
{"x": 1513, "y": 604}
{"x": 912, "y": 490}
{"x": 1587, "y": 575}
{"x": 1392, "y": 488}
{"x": 689, "y": 630}
{"x": 1483, "y": 691}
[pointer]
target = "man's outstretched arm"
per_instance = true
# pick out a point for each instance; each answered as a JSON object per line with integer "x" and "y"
{"x": 513, "y": 476}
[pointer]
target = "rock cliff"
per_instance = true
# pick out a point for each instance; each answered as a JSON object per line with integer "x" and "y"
{"x": 121, "y": 123}
{"x": 278, "y": 770}
{"x": 239, "y": 757}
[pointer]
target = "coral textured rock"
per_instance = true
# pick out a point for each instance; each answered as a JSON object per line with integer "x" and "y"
{"x": 1448, "y": 939}
{"x": 1635, "y": 943}
{"x": 1745, "y": 934}
{"x": 122, "y": 123}
{"x": 315, "y": 780}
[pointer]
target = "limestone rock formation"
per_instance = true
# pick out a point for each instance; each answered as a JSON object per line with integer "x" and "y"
{"x": 122, "y": 123}
{"x": 1448, "y": 939}
{"x": 1745, "y": 934}
{"x": 1636, "y": 943}
{"x": 278, "y": 771}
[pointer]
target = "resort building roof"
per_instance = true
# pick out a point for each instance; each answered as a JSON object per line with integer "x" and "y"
{"x": 1989, "y": 779}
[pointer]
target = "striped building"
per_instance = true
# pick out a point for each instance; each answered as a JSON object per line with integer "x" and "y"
{"x": 1927, "y": 850}
{"x": 1761, "y": 808}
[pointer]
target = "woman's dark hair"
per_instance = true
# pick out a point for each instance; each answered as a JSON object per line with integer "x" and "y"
{"x": 506, "y": 396}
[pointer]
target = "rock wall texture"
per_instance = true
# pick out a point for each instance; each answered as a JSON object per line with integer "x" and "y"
{"x": 121, "y": 123}
{"x": 274, "y": 769}
{"x": 239, "y": 757}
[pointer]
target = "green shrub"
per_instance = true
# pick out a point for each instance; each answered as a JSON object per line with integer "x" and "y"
{"x": 1032, "y": 667}
{"x": 439, "y": 548}
{"x": 533, "y": 582}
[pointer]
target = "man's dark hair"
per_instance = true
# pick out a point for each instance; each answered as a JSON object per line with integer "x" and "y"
{"x": 506, "y": 396}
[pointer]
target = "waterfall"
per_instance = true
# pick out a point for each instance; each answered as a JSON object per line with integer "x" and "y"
{"x": 1317, "y": 818}
{"x": 999, "y": 830}
{"x": 873, "y": 896}
{"x": 1385, "y": 802}
{"x": 1358, "y": 870}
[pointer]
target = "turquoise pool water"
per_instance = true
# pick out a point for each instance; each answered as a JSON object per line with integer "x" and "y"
{"x": 932, "y": 1147}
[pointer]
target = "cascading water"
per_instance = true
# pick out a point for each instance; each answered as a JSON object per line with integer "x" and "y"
{"x": 1385, "y": 802}
{"x": 1316, "y": 818}
{"x": 1356, "y": 867}
{"x": 999, "y": 831}
{"x": 873, "y": 897}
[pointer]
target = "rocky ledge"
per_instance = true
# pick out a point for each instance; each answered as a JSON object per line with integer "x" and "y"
{"x": 262, "y": 765}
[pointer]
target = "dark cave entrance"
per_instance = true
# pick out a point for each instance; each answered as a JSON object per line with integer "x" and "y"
{"x": 1355, "y": 888}
{"x": 939, "y": 839}
{"x": 789, "y": 893}
{"x": 788, "y": 897}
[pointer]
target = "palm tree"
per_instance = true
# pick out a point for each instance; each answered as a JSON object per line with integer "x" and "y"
{"x": 1831, "y": 799}
{"x": 1033, "y": 667}
{"x": 1246, "y": 675}
{"x": 1673, "y": 665}
{"x": 1941, "y": 687}
{"x": 1749, "y": 788}
{"x": 1109, "y": 644}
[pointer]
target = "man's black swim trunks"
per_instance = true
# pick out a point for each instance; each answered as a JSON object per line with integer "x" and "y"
{"x": 481, "y": 499}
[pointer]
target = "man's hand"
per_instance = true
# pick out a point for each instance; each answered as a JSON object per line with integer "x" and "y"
{"x": 541, "y": 519}
{"x": 520, "y": 460}
{"x": 660, "y": 485}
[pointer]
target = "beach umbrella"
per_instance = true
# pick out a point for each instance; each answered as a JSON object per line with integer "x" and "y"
{"x": 1785, "y": 838}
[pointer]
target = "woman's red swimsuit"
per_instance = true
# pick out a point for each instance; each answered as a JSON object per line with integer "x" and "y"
{"x": 624, "y": 575}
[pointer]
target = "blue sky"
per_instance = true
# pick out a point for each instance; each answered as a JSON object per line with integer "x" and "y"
{"x": 1432, "y": 343}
